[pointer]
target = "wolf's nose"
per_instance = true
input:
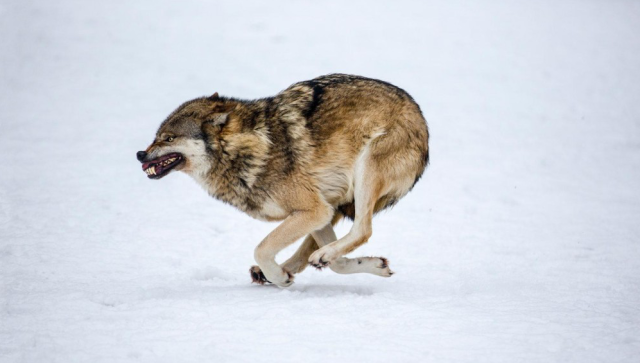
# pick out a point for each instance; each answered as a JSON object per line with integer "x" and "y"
{"x": 141, "y": 155}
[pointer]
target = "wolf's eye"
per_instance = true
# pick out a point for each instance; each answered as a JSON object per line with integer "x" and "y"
{"x": 169, "y": 139}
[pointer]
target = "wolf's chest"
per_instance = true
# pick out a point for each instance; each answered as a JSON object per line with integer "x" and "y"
{"x": 269, "y": 211}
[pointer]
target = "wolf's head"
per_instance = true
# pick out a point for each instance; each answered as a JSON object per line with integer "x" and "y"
{"x": 182, "y": 141}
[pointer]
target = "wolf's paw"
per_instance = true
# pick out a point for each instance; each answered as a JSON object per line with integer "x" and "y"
{"x": 257, "y": 276}
{"x": 382, "y": 267}
{"x": 323, "y": 257}
{"x": 281, "y": 278}
{"x": 284, "y": 280}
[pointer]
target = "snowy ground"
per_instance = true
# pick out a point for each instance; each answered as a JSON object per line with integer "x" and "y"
{"x": 520, "y": 244}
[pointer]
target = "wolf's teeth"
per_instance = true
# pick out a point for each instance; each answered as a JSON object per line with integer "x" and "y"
{"x": 153, "y": 170}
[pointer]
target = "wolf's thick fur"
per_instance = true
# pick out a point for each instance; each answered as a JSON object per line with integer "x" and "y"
{"x": 332, "y": 147}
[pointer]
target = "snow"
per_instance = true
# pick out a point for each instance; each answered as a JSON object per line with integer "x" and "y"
{"x": 520, "y": 244}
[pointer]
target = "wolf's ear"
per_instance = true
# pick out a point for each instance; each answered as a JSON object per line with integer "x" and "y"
{"x": 219, "y": 112}
{"x": 214, "y": 97}
{"x": 214, "y": 123}
{"x": 218, "y": 119}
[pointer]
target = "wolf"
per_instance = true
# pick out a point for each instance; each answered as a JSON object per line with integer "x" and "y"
{"x": 337, "y": 146}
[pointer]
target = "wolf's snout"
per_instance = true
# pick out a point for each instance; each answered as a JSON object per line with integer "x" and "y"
{"x": 141, "y": 155}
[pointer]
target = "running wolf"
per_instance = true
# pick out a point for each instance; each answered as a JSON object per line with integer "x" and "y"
{"x": 333, "y": 147}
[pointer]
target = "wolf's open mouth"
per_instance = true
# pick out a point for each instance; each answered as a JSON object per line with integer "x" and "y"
{"x": 157, "y": 168}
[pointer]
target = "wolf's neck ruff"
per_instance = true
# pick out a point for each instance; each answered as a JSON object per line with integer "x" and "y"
{"x": 238, "y": 156}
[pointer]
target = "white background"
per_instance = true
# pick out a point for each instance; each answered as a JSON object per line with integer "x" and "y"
{"x": 520, "y": 243}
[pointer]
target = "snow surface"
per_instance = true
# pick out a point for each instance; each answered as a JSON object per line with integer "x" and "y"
{"x": 520, "y": 244}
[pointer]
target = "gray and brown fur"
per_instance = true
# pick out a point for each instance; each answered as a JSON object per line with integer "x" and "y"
{"x": 332, "y": 147}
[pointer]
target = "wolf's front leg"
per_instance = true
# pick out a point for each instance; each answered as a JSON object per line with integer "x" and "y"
{"x": 294, "y": 227}
{"x": 295, "y": 264}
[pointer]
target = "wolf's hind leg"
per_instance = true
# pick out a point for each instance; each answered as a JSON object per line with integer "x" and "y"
{"x": 368, "y": 187}
{"x": 373, "y": 265}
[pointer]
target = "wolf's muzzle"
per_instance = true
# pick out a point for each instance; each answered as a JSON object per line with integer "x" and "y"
{"x": 141, "y": 155}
